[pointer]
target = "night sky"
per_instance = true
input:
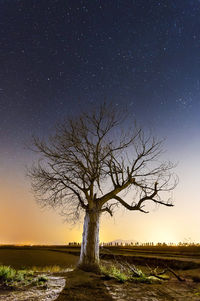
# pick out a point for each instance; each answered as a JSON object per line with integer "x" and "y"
{"x": 59, "y": 57}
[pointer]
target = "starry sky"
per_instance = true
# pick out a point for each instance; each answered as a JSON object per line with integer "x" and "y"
{"x": 58, "y": 57}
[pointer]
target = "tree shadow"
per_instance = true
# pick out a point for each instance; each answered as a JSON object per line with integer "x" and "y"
{"x": 84, "y": 286}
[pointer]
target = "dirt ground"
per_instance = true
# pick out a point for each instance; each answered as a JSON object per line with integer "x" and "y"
{"x": 49, "y": 293}
{"x": 172, "y": 291}
{"x": 82, "y": 286}
{"x": 73, "y": 286}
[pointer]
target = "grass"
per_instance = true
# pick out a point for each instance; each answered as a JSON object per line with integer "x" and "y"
{"x": 47, "y": 269}
{"x": 50, "y": 269}
{"x": 112, "y": 271}
{"x": 10, "y": 277}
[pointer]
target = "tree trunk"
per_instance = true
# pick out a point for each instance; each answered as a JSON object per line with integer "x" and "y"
{"x": 89, "y": 257}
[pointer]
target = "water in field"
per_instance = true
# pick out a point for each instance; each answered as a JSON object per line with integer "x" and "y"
{"x": 26, "y": 258}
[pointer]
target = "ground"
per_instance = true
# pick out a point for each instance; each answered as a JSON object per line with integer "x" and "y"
{"x": 87, "y": 286}
{"x": 81, "y": 286}
{"x": 32, "y": 293}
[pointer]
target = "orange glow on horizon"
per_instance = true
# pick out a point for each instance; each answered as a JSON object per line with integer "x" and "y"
{"x": 22, "y": 222}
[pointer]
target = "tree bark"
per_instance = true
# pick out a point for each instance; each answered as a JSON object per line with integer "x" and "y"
{"x": 89, "y": 257}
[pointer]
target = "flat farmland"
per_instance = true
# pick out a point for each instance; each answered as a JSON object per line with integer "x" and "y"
{"x": 27, "y": 257}
{"x": 182, "y": 254}
{"x": 185, "y": 261}
{"x": 67, "y": 256}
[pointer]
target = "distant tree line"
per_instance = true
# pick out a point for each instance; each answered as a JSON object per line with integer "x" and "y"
{"x": 146, "y": 244}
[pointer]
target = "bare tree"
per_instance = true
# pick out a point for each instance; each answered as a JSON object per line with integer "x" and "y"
{"x": 87, "y": 165}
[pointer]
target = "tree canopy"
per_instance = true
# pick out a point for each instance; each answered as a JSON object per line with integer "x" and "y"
{"x": 91, "y": 160}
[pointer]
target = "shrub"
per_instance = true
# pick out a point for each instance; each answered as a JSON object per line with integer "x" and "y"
{"x": 13, "y": 278}
{"x": 113, "y": 272}
{"x": 7, "y": 273}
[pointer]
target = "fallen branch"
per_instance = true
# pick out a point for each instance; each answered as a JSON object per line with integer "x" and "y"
{"x": 158, "y": 275}
{"x": 134, "y": 270}
{"x": 175, "y": 274}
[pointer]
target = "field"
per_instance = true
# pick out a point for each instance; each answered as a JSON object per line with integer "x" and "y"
{"x": 180, "y": 257}
{"x": 184, "y": 261}
{"x": 27, "y": 257}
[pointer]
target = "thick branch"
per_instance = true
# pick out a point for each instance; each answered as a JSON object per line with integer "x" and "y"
{"x": 140, "y": 204}
{"x": 110, "y": 195}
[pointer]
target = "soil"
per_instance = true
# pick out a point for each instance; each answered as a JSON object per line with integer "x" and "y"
{"x": 84, "y": 286}
{"x": 173, "y": 291}
{"x": 39, "y": 293}
{"x": 81, "y": 286}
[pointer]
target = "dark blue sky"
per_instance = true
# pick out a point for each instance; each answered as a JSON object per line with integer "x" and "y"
{"x": 59, "y": 57}
{"x": 56, "y": 55}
